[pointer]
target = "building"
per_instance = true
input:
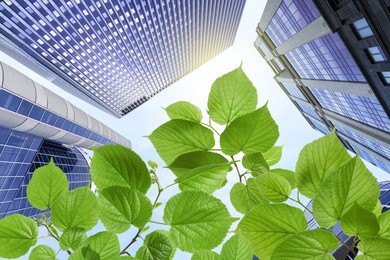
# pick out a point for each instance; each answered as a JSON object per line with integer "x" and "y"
{"x": 331, "y": 58}
{"x": 342, "y": 252}
{"x": 116, "y": 54}
{"x": 36, "y": 125}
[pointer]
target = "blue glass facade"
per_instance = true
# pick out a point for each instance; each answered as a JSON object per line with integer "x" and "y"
{"x": 291, "y": 17}
{"x": 326, "y": 58}
{"x": 26, "y": 108}
{"x": 293, "y": 90}
{"x": 19, "y": 163}
{"x": 369, "y": 143}
{"x": 120, "y": 53}
{"x": 309, "y": 110}
{"x": 363, "y": 109}
{"x": 264, "y": 48}
{"x": 370, "y": 158}
{"x": 17, "y": 151}
{"x": 320, "y": 127}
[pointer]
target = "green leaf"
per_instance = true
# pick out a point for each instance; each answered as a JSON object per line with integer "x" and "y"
{"x": 17, "y": 234}
{"x": 205, "y": 178}
{"x": 317, "y": 161}
{"x": 255, "y": 163}
{"x": 77, "y": 208}
{"x": 231, "y": 95}
{"x": 374, "y": 249}
{"x": 102, "y": 245}
{"x": 193, "y": 160}
{"x": 273, "y": 155}
{"x": 115, "y": 165}
{"x": 378, "y": 208}
{"x": 122, "y": 207}
{"x": 287, "y": 174}
{"x": 198, "y": 220}
{"x": 205, "y": 255}
{"x": 184, "y": 110}
{"x": 177, "y": 137}
{"x": 251, "y": 133}
{"x": 42, "y": 252}
{"x": 384, "y": 225}
{"x": 244, "y": 197}
{"x": 72, "y": 238}
{"x": 273, "y": 187}
{"x": 310, "y": 244}
{"x": 152, "y": 164}
{"x": 266, "y": 226}
{"x": 359, "y": 222}
{"x": 156, "y": 247}
{"x": 47, "y": 184}
{"x": 237, "y": 248}
{"x": 173, "y": 243}
{"x": 352, "y": 183}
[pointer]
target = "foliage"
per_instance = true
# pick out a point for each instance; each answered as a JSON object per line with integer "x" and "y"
{"x": 342, "y": 189}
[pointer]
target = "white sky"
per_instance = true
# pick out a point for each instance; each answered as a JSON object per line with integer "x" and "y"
{"x": 295, "y": 132}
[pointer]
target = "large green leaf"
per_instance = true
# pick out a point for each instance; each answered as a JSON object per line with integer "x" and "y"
{"x": 374, "y": 249}
{"x": 310, "y": 244}
{"x": 102, "y": 246}
{"x": 47, "y": 184}
{"x": 72, "y": 238}
{"x": 237, "y": 248}
{"x": 42, "y": 252}
{"x": 198, "y": 220}
{"x": 231, "y": 95}
{"x": 177, "y": 137}
{"x": 359, "y": 222}
{"x": 255, "y": 163}
{"x": 273, "y": 187}
{"x": 273, "y": 155}
{"x": 173, "y": 242}
{"x": 122, "y": 207}
{"x": 115, "y": 165}
{"x": 193, "y": 160}
{"x": 17, "y": 234}
{"x": 352, "y": 183}
{"x": 251, "y": 133}
{"x": 77, "y": 208}
{"x": 384, "y": 225}
{"x": 244, "y": 197}
{"x": 205, "y": 255}
{"x": 156, "y": 247}
{"x": 207, "y": 178}
{"x": 317, "y": 161}
{"x": 184, "y": 110}
{"x": 287, "y": 174}
{"x": 266, "y": 226}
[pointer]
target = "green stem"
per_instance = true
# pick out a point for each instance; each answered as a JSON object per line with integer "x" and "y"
{"x": 236, "y": 166}
{"x": 131, "y": 242}
{"x": 300, "y": 203}
{"x": 170, "y": 185}
{"x": 55, "y": 237}
{"x": 157, "y": 222}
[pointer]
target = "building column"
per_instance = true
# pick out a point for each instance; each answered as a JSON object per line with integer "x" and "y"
{"x": 270, "y": 9}
{"x": 347, "y": 87}
{"x": 312, "y": 31}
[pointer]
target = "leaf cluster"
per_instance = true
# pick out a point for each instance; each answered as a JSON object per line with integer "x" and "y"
{"x": 202, "y": 157}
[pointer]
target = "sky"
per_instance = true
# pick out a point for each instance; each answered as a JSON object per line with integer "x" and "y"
{"x": 294, "y": 130}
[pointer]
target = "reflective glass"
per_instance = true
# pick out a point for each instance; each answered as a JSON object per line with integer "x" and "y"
{"x": 362, "y": 28}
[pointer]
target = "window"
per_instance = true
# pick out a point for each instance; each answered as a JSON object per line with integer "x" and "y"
{"x": 385, "y": 75}
{"x": 362, "y": 29}
{"x": 376, "y": 54}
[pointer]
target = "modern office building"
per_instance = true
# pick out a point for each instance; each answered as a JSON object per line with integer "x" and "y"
{"x": 116, "y": 54}
{"x": 36, "y": 125}
{"x": 332, "y": 60}
{"x": 342, "y": 252}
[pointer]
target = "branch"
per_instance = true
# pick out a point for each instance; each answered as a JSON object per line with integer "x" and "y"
{"x": 236, "y": 166}
{"x": 131, "y": 242}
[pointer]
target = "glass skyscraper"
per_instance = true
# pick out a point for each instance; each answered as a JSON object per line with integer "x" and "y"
{"x": 117, "y": 54}
{"x": 36, "y": 125}
{"x": 332, "y": 59}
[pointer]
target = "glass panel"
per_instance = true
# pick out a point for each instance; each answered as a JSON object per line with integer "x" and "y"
{"x": 362, "y": 28}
